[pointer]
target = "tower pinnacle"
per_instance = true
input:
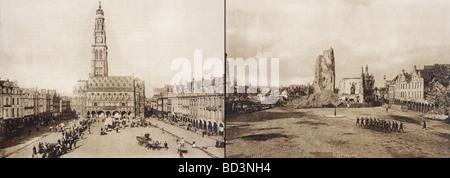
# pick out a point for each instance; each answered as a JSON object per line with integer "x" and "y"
{"x": 99, "y": 10}
{"x": 99, "y": 66}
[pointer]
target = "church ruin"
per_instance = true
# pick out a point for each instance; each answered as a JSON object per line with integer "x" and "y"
{"x": 325, "y": 74}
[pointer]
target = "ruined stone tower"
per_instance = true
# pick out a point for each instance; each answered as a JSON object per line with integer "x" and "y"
{"x": 325, "y": 75}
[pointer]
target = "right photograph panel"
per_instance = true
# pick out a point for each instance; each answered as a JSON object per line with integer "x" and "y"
{"x": 337, "y": 79}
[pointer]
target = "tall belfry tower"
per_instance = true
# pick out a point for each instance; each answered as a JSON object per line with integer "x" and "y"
{"x": 99, "y": 66}
{"x": 103, "y": 95}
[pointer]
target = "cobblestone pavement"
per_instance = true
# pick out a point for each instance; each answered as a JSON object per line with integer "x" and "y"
{"x": 124, "y": 144}
{"x": 285, "y": 132}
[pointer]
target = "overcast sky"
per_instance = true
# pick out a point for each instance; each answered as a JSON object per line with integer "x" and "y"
{"x": 388, "y": 35}
{"x": 47, "y": 43}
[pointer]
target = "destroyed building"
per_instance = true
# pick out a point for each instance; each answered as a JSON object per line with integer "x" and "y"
{"x": 324, "y": 94}
{"x": 325, "y": 75}
{"x": 422, "y": 90}
{"x": 358, "y": 89}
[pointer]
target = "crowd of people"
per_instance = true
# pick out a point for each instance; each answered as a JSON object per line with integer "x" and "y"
{"x": 11, "y": 128}
{"x": 220, "y": 144}
{"x": 379, "y": 124}
{"x": 72, "y": 133}
{"x": 68, "y": 141}
{"x": 140, "y": 124}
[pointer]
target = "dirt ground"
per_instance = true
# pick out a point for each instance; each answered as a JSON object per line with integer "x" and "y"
{"x": 308, "y": 133}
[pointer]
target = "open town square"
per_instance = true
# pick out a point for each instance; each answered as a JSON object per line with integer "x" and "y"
{"x": 128, "y": 114}
{"x": 120, "y": 143}
{"x": 312, "y": 133}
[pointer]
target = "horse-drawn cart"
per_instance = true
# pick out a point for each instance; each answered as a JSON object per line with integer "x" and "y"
{"x": 148, "y": 143}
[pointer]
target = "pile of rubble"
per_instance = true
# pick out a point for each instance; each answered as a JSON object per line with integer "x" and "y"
{"x": 324, "y": 98}
{"x": 436, "y": 116}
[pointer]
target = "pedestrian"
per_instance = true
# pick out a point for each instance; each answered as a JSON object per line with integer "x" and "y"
{"x": 424, "y": 125}
{"x": 388, "y": 126}
{"x": 147, "y": 135}
{"x": 396, "y": 127}
{"x": 181, "y": 154}
{"x": 357, "y": 120}
{"x": 401, "y": 127}
{"x": 34, "y": 150}
{"x": 165, "y": 145}
{"x": 193, "y": 144}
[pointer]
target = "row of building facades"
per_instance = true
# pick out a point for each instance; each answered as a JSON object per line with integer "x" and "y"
{"x": 21, "y": 105}
{"x": 421, "y": 90}
{"x": 197, "y": 110}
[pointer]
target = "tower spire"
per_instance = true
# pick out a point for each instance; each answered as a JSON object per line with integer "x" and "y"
{"x": 367, "y": 70}
{"x": 99, "y": 66}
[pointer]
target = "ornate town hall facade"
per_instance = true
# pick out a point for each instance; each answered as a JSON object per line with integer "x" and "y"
{"x": 103, "y": 95}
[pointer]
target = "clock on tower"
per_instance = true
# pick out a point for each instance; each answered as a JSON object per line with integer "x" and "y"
{"x": 99, "y": 66}
{"x": 99, "y": 39}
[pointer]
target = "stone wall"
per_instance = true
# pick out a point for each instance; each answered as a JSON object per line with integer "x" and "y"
{"x": 324, "y": 78}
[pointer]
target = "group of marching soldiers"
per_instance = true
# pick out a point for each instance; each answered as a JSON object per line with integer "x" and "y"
{"x": 379, "y": 124}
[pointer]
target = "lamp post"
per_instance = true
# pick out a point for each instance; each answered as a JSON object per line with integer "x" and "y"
{"x": 336, "y": 102}
{"x": 335, "y": 107}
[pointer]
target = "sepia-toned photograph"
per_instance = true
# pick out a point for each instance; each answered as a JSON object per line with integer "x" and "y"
{"x": 98, "y": 79}
{"x": 224, "y": 79}
{"x": 352, "y": 79}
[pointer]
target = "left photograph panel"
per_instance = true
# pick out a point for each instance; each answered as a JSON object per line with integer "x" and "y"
{"x": 112, "y": 79}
